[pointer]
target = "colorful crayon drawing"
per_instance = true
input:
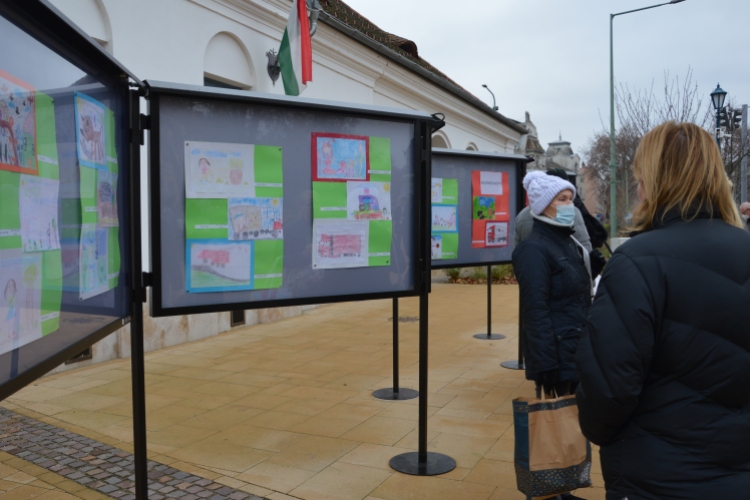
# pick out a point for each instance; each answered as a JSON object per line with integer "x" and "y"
{"x": 256, "y": 219}
{"x": 18, "y": 144}
{"x": 38, "y": 204}
{"x": 93, "y": 262}
{"x": 445, "y": 218}
{"x": 496, "y": 234}
{"x": 219, "y": 266}
{"x": 484, "y": 208}
{"x": 106, "y": 199}
{"x": 339, "y": 157}
{"x": 90, "y": 132}
{"x": 437, "y": 247}
{"x": 339, "y": 243}
{"x": 20, "y": 299}
{"x": 437, "y": 190}
{"x": 219, "y": 170}
{"x": 368, "y": 200}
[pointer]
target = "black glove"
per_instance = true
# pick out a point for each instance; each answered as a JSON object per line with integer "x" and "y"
{"x": 597, "y": 262}
{"x": 549, "y": 380}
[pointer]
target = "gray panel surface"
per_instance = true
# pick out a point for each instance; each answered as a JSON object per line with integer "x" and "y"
{"x": 458, "y": 166}
{"x": 183, "y": 118}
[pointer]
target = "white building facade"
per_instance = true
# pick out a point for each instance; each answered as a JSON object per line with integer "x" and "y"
{"x": 225, "y": 42}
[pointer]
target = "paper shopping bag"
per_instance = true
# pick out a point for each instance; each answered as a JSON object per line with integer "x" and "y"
{"x": 551, "y": 454}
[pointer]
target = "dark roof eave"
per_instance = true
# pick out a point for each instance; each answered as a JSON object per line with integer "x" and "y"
{"x": 390, "y": 54}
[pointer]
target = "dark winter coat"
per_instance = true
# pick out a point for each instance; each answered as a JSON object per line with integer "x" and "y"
{"x": 555, "y": 292}
{"x": 665, "y": 364}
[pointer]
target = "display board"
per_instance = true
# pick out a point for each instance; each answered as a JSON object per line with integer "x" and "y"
{"x": 65, "y": 277}
{"x": 263, "y": 200}
{"x": 475, "y": 199}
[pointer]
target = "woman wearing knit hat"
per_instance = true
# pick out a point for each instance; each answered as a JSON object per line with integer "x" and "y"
{"x": 555, "y": 286}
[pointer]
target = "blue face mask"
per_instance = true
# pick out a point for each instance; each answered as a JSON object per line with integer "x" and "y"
{"x": 565, "y": 214}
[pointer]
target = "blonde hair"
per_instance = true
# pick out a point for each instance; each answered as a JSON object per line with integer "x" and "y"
{"x": 680, "y": 167}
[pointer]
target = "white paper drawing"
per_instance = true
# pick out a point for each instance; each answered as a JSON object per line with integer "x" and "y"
{"x": 37, "y": 202}
{"x": 20, "y": 302}
{"x": 445, "y": 218}
{"x": 340, "y": 243}
{"x": 368, "y": 200}
{"x": 437, "y": 190}
{"x": 437, "y": 247}
{"x": 94, "y": 262}
{"x": 491, "y": 183}
{"x": 218, "y": 266}
{"x": 219, "y": 170}
{"x": 255, "y": 219}
{"x": 496, "y": 234}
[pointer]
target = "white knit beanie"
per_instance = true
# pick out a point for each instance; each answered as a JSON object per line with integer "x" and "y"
{"x": 543, "y": 188}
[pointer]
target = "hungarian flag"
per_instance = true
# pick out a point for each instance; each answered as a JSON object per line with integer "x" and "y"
{"x": 295, "y": 54}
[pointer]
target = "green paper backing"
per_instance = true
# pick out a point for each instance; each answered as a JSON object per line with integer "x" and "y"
{"x": 268, "y": 170}
{"x": 46, "y": 136}
{"x": 450, "y": 191}
{"x": 10, "y": 217}
{"x": 381, "y": 234}
{"x": 51, "y": 288}
{"x": 113, "y": 246}
{"x": 269, "y": 259}
{"x": 450, "y": 245}
{"x": 88, "y": 195}
{"x": 380, "y": 158}
{"x": 208, "y": 211}
{"x": 329, "y": 194}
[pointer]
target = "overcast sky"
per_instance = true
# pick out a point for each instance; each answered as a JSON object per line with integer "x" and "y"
{"x": 551, "y": 57}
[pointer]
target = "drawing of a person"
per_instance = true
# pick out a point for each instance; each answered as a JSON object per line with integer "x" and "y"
{"x": 205, "y": 169}
{"x": 326, "y": 155}
{"x": 11, "y": 290}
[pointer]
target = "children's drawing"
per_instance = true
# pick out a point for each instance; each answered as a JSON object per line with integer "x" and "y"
{"x": 484, "y": 208}
{"x": 219, "y": 266}
{"x": 90, "y": 132}
{"x": 69, "y": 248}
{"x": 219, "y": 170}
{"x": 339, "y": 243}
{"x": 255, "y": 219}
{"x": 18, "y": 147}
{"x": 437, "y": 190}
{"x": 496, "y": 234}
{"x": 106, "y": 199}
{"x": 38, "y": 204}
{"x": 368, "y": 200}
{"x": 20, "y": 299}
{"x": 339, "y": 157}
{"x": 93, "y": 262}
{"x": 437, "y": 247}
{"x": 445, "y": 218}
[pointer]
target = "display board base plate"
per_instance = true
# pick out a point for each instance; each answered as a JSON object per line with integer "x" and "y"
{"x": 513, "y": 365}
{"x": 492, "y": 336}
{"x": 390, "y": 395}
{"x": 436, "y": 463}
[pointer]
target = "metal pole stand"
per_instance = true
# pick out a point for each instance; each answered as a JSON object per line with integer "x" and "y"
{"x": 489, "y": 335}
{"x": 395, "y": 393}
{"x": 422, "y": 463}
{"x": 517, "y": 364}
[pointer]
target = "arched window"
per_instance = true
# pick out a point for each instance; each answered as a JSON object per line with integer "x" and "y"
{"x": 227, "y": 63}
{"x": 472, "y": 147}
{"x": 91, "y": 17}
{"x": 440, "y": 140}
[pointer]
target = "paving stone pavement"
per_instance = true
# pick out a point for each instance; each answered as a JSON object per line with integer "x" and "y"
{"x": 99, "y": 466}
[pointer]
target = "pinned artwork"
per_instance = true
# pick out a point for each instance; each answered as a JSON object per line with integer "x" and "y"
{"x": 436, "y": 247}
{"x": 255, "y": 219}
{"x": 338, "y": 157}
{"x": 38, "y": 200}
{"x": 496, "y": 234}
{"x": 219, "y": 266}
{"x": 93, "y": 262}
{"x": 445, "y": 218}
{"x": 436, "y": 190}
{"x": 484, "y": 208}
{"x": 18, "y": 139}
{"x": 368, "y": 200}
{"x": 20, "y": 302}
{"x": 106, "y": 199}
{"x": 339, "y": 243}
{"x": 219, "y": 170}
{"x": 90, "y": 132}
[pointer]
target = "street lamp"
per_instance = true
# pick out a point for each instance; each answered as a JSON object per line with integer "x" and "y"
{"x": 717, "y": 98}
{"x": 612, "y": 159}
{"x": 493, "y": 95}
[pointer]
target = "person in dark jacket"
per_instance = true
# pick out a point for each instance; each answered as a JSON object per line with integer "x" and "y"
{"x": 555, "y": 286}
{"x": 665, "y": 358}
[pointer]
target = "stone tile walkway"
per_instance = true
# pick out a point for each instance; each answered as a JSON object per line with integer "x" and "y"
{"x": 285, "y": 410}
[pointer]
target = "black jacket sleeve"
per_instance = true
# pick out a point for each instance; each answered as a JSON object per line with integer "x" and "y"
{"x": 614, "y": 356}
{"x": 531, "y": 264}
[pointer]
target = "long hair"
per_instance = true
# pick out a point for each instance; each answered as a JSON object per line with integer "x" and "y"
{"x": 680, "y": 167}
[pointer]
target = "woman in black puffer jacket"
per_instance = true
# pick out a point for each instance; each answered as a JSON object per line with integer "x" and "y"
{"x": 665, "y": 359}
{"x": 555, "y": 287}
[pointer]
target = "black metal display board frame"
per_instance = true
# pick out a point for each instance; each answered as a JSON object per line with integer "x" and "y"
{"x": 159, "y": 90}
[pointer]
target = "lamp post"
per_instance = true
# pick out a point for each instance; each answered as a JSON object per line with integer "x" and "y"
{"x": 717, "y": 98}
{"x": 494, "y": 106}
{"x": 612, "y": 159}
